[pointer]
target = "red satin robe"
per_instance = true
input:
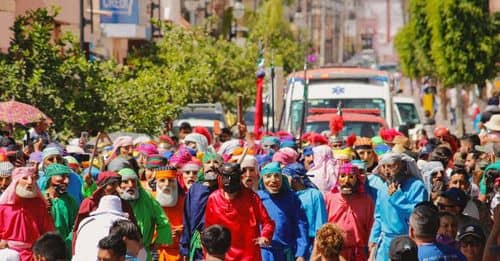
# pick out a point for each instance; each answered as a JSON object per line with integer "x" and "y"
{"x": 23, "y": 223}
{"x": 242, "y": 216}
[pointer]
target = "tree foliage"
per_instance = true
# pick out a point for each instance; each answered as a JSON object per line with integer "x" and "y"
{"x": 456, "y": 41}
{"x": 463, "y": 47}
{"x": 53, "y": 75}
{"x": 270, "y": 27}
{"x": 160, "y": 78}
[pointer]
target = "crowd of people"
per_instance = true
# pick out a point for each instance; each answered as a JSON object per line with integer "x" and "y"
{"x": 199, "y": 195}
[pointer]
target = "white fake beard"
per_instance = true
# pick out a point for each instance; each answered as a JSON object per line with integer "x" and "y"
{"x": 24, "y": 193}
{"x": 167, "y": 200}
{"x": 126, "y": 196}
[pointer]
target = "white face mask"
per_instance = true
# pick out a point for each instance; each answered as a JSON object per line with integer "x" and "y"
{"x": 24, "y": 193}
{"x": 167, "y": 199}
{"x": 127, "y": 196}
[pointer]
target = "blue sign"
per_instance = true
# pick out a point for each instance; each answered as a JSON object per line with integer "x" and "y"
{"x": 122, "y": 11}
{"x": 338, "y": 90}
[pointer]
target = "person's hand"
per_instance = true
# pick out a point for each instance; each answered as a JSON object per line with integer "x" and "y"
{"x": 262, "y": 241}
{"x": 38, "y": 145}
{"x": 3, "y": 244}
{"x": 300, "y": 259}
{"x": 393, "y": 187}
{"x": 242, "y": 129}
{"x": 88, "y": 179}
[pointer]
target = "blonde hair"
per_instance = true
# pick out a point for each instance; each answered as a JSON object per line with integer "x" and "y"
{"x": 329, "y": 240}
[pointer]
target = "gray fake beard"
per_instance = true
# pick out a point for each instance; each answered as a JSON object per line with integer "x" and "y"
{"x": 24, "y": 193}
{"x": 126, "y": 196}
{"x": 167, "y": 200}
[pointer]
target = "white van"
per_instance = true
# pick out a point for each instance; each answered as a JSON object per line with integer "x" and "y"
{"x": 356, "y": 88}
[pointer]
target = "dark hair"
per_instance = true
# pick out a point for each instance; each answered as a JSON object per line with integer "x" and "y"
{"x": 226, "y": 131}
{"x": 186, "y": 126}
{"x": 126, "y": 228}
{"x": 473, "y": 139}
{"x": 448, "y": 215}
{"x": 115, "y": 244}
{"x": 216, "y": 239}
{"x": 425, "y": 222}
{"x": 460, "y": 171}
{"x": 51, "y": 246}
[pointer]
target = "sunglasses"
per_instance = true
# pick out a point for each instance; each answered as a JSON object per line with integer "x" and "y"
{"x": 444, "y": 206}
{"x": 472, "y": 243}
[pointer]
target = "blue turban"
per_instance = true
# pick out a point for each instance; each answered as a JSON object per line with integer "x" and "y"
{"x": 270, "y": 140}
{"x": 94, "y": 173}
{"x": 308, "y": 151}
{"x": 263, "y": 160}
{"x": 288, "y": 144}
{"x": 297, "y": 171}
{"x": 359, "y": 163}
{"x": 271, "y": 168}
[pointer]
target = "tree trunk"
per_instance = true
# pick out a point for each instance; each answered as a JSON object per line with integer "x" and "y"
{"x": 459, "y": 110}
{"x": 444, "y": 101}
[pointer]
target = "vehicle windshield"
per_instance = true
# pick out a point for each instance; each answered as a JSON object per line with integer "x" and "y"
{"x": 408, "y": 113}
{"x": 201, "y": 115}
{"x": 362, "y": 129}
{"x": 296, "y": 110}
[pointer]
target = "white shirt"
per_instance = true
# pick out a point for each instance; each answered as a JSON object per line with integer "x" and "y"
{"x": 92, "y": 229}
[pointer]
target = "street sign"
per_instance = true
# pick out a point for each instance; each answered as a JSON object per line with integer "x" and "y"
{"x": 122, "y": 11}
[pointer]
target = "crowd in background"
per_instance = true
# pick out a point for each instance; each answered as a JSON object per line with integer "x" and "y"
{"x": 198, "y": 195}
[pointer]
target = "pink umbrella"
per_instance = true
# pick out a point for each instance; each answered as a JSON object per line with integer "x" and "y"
{"x": 13, "y": 112}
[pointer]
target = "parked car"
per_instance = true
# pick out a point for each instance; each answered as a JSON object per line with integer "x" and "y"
{"x": 201, "y": 114}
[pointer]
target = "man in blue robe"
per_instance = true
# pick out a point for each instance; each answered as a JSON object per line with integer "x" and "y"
{"x": 290, "y": 240}
{"x": 310, "y": 197}
{"x": 194, "y": 216}
{"x": 394, "y": 203}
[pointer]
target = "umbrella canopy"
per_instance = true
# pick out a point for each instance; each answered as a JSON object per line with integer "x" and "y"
{"x": 13, "y": 112}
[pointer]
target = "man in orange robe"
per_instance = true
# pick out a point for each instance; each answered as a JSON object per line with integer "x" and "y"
{"x": 172, "y": 201}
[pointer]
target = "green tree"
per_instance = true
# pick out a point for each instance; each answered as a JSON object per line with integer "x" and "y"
{"x": 413, "y": 42}
{"x": 463, "y": 47}
{"x": 271, "y": 28}
{"x": 54, "y": 75}
{"x": 184, "y": 66}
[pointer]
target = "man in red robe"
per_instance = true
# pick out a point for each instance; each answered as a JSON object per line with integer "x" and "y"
{"x": 241, "y": 211}
{"x": 351, "y": 209}
{"x": 172, "y": 201}
{"x": 24, "y": 215}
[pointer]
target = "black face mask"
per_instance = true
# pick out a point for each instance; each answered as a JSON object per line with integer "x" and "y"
{"x": 231, "y": 183}
{"x": 59, "y": 189}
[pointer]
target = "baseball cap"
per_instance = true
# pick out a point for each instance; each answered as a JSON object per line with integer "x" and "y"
{"x": 471, "y": 230}
{"x": 403, "y": 248}
{"x": 456, "y": 195}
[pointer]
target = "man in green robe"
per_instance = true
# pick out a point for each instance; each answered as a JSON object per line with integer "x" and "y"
{"x": 148, "y": 212}
{"x": 63, "y": 207}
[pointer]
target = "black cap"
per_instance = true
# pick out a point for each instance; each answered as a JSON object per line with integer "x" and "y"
{"x": 404, "y": 249}
{"x": 471, "y": 230}
{"x": 456, "y": 195}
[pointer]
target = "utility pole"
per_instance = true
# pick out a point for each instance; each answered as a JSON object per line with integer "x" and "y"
{"x": 388, "y": 15}
{"x": 322, "y": 33}
{"x": 341, "y": 32}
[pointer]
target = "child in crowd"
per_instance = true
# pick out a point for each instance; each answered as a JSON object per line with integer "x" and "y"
{"x": 447, "y": 231}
